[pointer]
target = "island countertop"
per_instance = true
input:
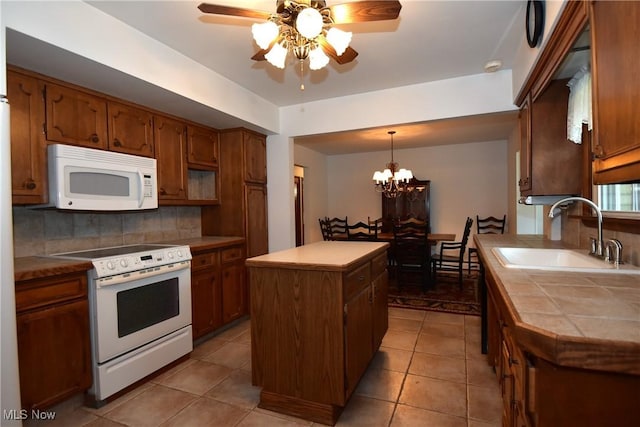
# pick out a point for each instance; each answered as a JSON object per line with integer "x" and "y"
{"x": 325, "y": 255}
{"x": 576, "y": 319}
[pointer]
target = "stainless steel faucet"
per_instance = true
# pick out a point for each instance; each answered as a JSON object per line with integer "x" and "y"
{"x": 599, "y": 246}
{"x": 616, "y": 257}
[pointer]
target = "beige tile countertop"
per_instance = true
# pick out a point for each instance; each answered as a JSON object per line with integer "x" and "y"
{"x": 584, "y": 320}
{"x": 325, "y": 255}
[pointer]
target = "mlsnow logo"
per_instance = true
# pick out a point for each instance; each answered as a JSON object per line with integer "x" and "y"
{"x": 23, "y": 414}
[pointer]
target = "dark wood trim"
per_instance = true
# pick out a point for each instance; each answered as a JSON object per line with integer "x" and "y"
{"x": 570, "y": 24}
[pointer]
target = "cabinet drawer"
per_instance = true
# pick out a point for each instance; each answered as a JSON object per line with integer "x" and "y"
{"x": 356, "y": 280}
{"x": 204, "y": 261}
{"x": 232, "y": 254}
{"x": 379, "y": 264}
{"x": 50, "y": 290}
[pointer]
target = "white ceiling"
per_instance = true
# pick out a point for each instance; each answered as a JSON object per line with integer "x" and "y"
{"x": 431, "y": 40}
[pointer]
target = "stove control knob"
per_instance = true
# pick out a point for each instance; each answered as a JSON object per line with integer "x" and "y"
{"x": 110, "y": 265}
{"x": 123, "y": 262}
{"x": 180, "y": 253}
{"x": 170, "y": 255}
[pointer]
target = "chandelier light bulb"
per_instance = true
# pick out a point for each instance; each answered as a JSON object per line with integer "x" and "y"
{"x": 264, "y": 33}
{"x": 339, "y": 40}
{"x": 317, "y": 59}
{"x": 309, "y": 23}
{"x": 277, "y": 55}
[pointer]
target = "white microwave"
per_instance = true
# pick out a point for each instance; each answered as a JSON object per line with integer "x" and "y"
{"x": 97, "y": 180}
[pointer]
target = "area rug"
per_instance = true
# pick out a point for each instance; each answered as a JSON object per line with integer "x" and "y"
{"x": 445, "y": 295}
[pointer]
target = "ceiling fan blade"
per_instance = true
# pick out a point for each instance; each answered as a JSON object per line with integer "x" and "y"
{"x": 364, "y": 11}
{"x": 348, "y": 55}
{"x": 259, "y": 56}
{"x": 233, "y": 11}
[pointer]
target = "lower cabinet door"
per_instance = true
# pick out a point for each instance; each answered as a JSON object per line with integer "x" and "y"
{"x": 54, "y": 353}
{"x": 205, "y": 303}
{"x": 357, "y": 337}
{"x": 234, "y": 293}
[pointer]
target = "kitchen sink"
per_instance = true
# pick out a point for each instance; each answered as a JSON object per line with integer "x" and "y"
{"x": 558, "y": 260}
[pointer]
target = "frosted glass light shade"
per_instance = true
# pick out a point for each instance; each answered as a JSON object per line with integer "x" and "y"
{"x": 309, "y": 23}
{"x": 339, "y": 40}
{"x": 264, "y": 33}
{"x": 317, "y": 59}
{"x": 276, "y": 55}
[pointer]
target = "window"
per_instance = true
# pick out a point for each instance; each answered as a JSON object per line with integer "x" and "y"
{"x": 620, "y": 200}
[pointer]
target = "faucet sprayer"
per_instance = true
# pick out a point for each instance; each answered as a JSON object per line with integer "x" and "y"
{"x": 599, "y": 244}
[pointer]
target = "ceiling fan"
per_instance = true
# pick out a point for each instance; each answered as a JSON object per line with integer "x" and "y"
{"x": 305, "y": 28}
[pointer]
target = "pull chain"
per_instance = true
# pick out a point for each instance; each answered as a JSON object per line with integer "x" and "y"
{"x": 302, "y": 74}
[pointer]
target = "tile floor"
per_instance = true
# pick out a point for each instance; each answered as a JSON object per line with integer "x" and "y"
{"x": 428, "y": 372}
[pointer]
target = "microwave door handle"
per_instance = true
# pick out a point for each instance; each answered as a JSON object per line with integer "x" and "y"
{"x": 140, "y": 189}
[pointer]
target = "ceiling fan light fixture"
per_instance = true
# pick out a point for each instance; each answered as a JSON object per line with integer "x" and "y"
{"x": 317, "y": 59}
{"x": 339, "y": 40}
{"x": 309, "y": 23}
{"x": 277, "y": 55}
{"x": 264, "y": 33}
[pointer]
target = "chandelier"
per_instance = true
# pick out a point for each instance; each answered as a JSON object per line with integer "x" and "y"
{"x": 303, "y": 28}
{"x": 393, "y": 180}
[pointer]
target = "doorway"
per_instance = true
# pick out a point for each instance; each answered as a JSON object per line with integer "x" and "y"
{"x": 298, "y": 193}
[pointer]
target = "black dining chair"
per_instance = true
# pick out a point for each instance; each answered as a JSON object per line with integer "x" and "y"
{"x": 338, "y": 228}
{"x": 359, "y": 231}
{"x": 451, "y": 255}
{"x": 488, "y": 225}
{"x": 325, "y": 228}
{"x": 411, "y": 252}
{"x": 375, "y": 226}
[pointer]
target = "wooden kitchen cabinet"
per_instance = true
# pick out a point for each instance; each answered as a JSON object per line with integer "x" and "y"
{"x": 616, "y": 90}
{"x": 75, "y": 117}
{"x": 255, "y": 157}
{"x": 243, "y": 202}
{"x": 553, "y": 163}
{"x": 203, "y": 147}
{"x": 53, "y": 339}
{"x": 218, "y": 288}
{"x": 28, "y": 147}
{"x": 130, "y": 130}
{"x": 539, "y": 392}
{"x": 315, "y": 325}
{"x": 171, "y": 148}
{"x": 206, "y": 293}
{"x": 234, "y": 284}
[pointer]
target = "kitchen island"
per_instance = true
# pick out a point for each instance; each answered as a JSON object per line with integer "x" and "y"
{"x": 565, "y": 345}
{"x": 318, "y": 315}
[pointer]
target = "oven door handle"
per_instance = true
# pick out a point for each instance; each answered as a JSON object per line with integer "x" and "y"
{"x": 141, "y": 274}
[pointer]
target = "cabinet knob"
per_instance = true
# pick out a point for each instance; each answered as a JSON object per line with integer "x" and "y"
{"x": 30, "y": 185}
{"x": 162, "y": 191}
{"x": 95, "y": 138}
{"x": 116, "y": 142}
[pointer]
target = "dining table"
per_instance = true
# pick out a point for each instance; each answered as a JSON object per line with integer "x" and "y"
{"x": 432, "y": 238}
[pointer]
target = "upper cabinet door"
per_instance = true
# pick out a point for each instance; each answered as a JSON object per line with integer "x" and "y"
{"x": 130, "y": 130}
{"x": 75, "y": 117}
{"x": 28, "y": 148}
{"x": 255, "y": 158}
{"x": 170, "y": 143}
{"x": 616, "y": 90}
{"x": 203, "y": 147}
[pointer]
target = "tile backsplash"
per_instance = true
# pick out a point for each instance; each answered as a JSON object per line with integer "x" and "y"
{"x": 44, "y": 232}
{"x": 576, "y": 234}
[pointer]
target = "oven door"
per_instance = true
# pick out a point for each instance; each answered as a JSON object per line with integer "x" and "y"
{"x": 133, "y": 309}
